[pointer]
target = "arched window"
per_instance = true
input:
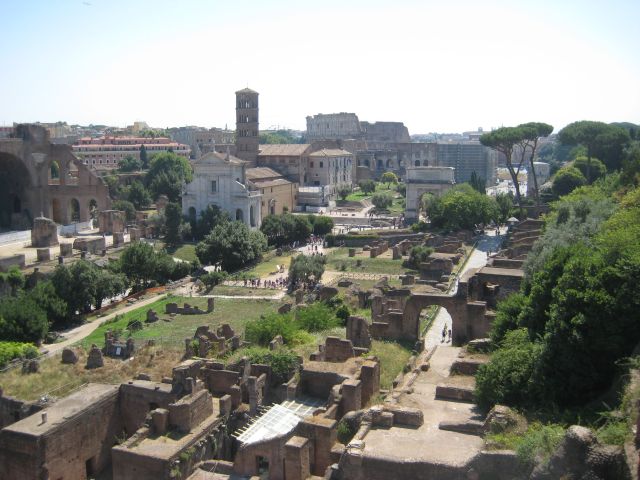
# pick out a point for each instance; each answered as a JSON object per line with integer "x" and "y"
{"x": 417, "y": 163}
{"x": 74, "y": 210}
{"x": 239, "y": 215}
{"x": 252, "y": 218}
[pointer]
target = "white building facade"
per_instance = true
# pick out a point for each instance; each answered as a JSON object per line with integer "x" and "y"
{"x": 220, "y": 179}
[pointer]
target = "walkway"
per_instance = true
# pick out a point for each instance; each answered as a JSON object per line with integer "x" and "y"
{"x": 76, "y": 334}
{"x": 478, "y": 259}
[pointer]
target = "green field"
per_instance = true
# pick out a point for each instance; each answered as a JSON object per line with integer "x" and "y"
{"x": 339, "y": 260}
{"x": 393, "y": 356}
{"x": 234, "y": 312}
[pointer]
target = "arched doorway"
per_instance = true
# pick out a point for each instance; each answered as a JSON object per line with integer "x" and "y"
{"x": 93, "y": 209}
{"x": 74, "y": 210}
{"x": 54, "y": 173}
{"x": 417, "y": 163}
{"x": 239, "y": 215}
{"x": 252, "y": 218}
{"x": 56, "y": 211}
{"x": 15, "y": 183}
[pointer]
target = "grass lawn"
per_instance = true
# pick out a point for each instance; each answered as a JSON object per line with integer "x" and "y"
{"x": 243, "y": 291}
{"x": 268, "y": 266}
{"x": 234, "y": 312}
{"x": 339, "y": 257}
{"x": 393, "y": 356}
{"x": 185, "y": 252}
{"x": 58, "y": 380}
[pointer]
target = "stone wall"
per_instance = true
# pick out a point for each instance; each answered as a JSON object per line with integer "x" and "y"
{"x": 12, "y": 410}
{"x": 70, "y": 449}
{"x": 190, "y": 411}
{"x": 139, "y": 397}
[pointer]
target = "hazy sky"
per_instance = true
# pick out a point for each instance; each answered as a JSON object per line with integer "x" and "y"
{"x": 446, "y": 66}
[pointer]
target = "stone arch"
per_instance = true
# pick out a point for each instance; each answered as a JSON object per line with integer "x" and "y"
{"x": 192, "y": 214}
{"x": 239, "y": 215}
{"x": 74, "y": 210}
{"x": 93, "y": 208}
{"x": 252, "y": 216}
{"x": 379, "y": 164}
{"x": 15, "y": 193}
{"x": 54, "y": 172}
{"x": 57, "y": 213}
{"x": 417, "y": 163}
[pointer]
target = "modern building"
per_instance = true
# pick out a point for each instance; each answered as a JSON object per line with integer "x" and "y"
{"x": 221, "y": 179}
{"x": 105, "y": 153}
{"x": 468, "y": 157}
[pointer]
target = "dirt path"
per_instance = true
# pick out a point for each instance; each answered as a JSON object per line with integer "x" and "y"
{"x": 76, "y": 334}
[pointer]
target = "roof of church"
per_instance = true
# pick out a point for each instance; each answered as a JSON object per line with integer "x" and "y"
{"x": 247, "y": 90}
{"x": 330, "y": 152}
{"x": 284, "y": 150}
{"x": 225, "y": 157}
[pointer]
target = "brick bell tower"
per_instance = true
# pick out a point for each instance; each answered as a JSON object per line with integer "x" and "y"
{"x": 247, "y": 129}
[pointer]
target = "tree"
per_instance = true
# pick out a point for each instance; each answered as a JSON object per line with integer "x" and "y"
{"x": 382, "y": 200}
{"x": 321, "y": 225}
{"x": 126, "y": 207}
{"x": 367, "y": 186}
{"x": 167, "y": 172}
{"x": 604, "y": 141}
{"x": 138, "y": 195}
{"x": 478, "y": 183}
{"x": 596, "y": 169}
{"x": 108, "y": 285}
{"x": 129, "y": 164}
{"x": 138, "y": 263}
{"x": 144, "y": 160}
{"x": 566, "y": 180}
{"x": 503, "y": 140}
{"x": 173, "y": 220}
{"x": 232, "y": 245}
{"x": 462, "y": 207}
{"x": 286, "y": 228}
{"x": 22, "y": 320}
{"x": 305, "y": 269}
{"x": 631, "y": 165}
{"x": 344, "y": 189}
{"x": 505, "y": 204}
{"x": 402, "y": 189}
{"x": 530, "y": 133}
{"x": 418, "y": 255}
{"x": 389, "y": 178}
{"x": 209, "y": 218}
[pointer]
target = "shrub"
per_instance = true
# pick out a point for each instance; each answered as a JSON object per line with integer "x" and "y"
{"x": 345, "y": 432}
{"x": 283, "y": 362}
{"x": 12, "y": 350}
{"x": 316, "y": 317}
{"x": 420, "y": 226}
{"x": 343, "y": 313}
{"x": 211, "y": 279}
{"x": 417, "y": 255}
{"x": 303, "y": 267}
{"x": 382, "y": 200}
{"x": 539, "y": 442}
{"x": 367, "y": 186}
{"x": 507, "y": 378}
{"x": 263, "y": 330}
{"x": 566, "y": 180}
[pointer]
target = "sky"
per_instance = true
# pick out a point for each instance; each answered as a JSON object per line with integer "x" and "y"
{"x": 437, "y": 66}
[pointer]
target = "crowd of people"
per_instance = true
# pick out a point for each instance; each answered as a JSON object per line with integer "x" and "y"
{"x": 280, "y": 282}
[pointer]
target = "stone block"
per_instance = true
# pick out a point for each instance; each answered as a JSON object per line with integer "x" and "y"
{"x": 352, "y": 252}
{"x": 66, "y": 249}
{"x": 95, "y": 359}
{"x": 297, "y": 458}
{"x": 44, "y": 233}
{"x": 69, "y": 356}
{"x": 118, "y": 238}
{"x": 44, "y": 254}
{"x": 111, "y": 221}
{"x": 160, "y": 420}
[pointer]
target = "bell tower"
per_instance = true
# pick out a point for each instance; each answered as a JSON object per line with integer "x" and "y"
{"x": 247, "y": 129}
